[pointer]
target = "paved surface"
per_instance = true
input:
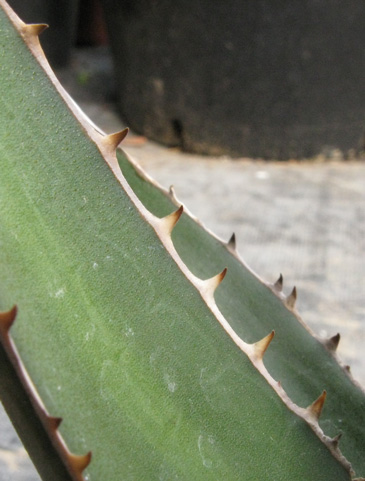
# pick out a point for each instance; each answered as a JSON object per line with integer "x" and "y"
{"x": 305, "y": 220}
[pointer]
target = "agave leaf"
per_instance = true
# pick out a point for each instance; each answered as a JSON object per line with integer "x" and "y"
{"x": 303, "y": 364}
{"x": 116, "y": 334}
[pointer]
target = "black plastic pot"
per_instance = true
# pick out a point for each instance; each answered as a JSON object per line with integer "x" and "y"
{"x": 272, "y": 79}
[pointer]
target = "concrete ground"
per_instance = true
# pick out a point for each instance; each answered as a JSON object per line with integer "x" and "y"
{"x": 305, "y": 220}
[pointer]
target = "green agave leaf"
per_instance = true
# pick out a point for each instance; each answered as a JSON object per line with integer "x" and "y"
{"x": 118, "y": 337}
{"x": 36, "y": 440}
{"x": 302, "y": 363}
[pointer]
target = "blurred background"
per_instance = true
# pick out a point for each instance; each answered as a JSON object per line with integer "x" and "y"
{"x": 264, "y": 139}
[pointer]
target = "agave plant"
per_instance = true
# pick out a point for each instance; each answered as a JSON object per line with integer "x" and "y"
{"x": 122, "y": 317}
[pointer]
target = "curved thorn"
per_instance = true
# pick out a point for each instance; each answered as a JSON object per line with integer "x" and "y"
{"x": 332, "y": 343}
{"x": 34, "y": 29}
{"x": 53, "y": 423}
{"x": 278, "y": 285}
{"x": 78, "y": 463}
{"x": 112, "y": 141}
{"x": 261, "y": 346}
{"x": 347, "y": 368}
{"x": 315, "y": 409}
{"x": 210, "y": 285}
{"x": 291, "y": 299}
{"x": 231, "y": 244}
{"x": 6, "y": 319}
{"x": 171, "y": 220}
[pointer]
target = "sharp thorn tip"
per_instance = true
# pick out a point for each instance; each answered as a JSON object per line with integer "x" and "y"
{"x": 53, "y": 423}
{"x": 112, "y": 141}
{"x": 332, "y": 343}
{"x": 231, "y": 244}
{"x": 79, "y": 463}
{"x": 262, "y": 345}
{"x": 34, "y": 29}
{"x": 210, "y": 285}
{"x": 315, "y": 409}
{"x": 222, "y": 275}
{"x": 291, "y": 299}
{"x": 278, "y": 285}
{"x": 171, "y": 220}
